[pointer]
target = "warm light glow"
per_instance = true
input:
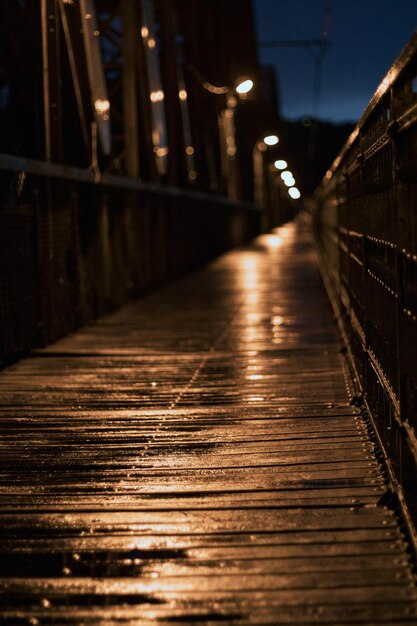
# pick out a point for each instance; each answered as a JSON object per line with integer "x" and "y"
{"x": 102, "y": 106}
{"x": 271, "y": 241}
{"x": 189, "y": 150}
{"x": 157, "y": 96}
{"x": 151, "y": 43}
{"x": 294, "y": 193}
{"x": 192, "y": 175}
{"x": 231, "y": 101}
{"x": 244, "y": 87}
{"x": 271, "y": 140}
{"x": 249, "y": 262}
{"x": 250, "y": 272}
{"x": 144, "y": 32}
{"x": 328, "y": 174}
{"x": 161, "y": 152}
{"x": 182, "y": 94}
{"x": 88, "y": 16}
{"x": 281, "y": 164}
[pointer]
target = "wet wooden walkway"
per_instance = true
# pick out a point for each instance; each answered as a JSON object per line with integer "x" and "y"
{"x": 194, "y": 458}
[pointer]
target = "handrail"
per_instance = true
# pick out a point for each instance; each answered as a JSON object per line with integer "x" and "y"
{"x": 67, "y": 172}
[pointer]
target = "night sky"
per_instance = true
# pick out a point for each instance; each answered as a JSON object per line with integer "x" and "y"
{"x": 365, "y": 38}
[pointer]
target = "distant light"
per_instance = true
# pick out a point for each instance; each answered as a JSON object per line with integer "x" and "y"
{"x": 157, "y": 96}
{"x": 294, "y": 193}
{"x": 151, "y": 43}
{"x": 281, "y": 164}
{"x": 271, "y": 140}
{"x": 189, "y": 150}
{"x": 182, "y": 94}
{"x": 273, "y": 242}
{"x": 289, "y": 182}
{"x": 96, "y": 33}
{"x": 192, "y": 175}
{"x": 286, "y": 175}
{"x": 101, "y": 106}
{"x": 244, "y": 87}
{"x": 144, "y": 31}
{"x": 161, "y": 152}
{"x": 328, "y": 174}
{"x": 231, "y": 101}
{"x": 88, "y": 16}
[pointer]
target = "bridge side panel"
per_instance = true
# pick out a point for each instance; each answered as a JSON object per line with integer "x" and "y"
{"x": 366, "y": 224}
{"x": 75, "y": 250}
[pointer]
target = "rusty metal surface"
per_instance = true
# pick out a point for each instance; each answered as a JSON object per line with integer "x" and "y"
{"x": 194, "y": 458}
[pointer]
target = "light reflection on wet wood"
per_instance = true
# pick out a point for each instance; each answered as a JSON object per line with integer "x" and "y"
{"x": 195, "y": 458}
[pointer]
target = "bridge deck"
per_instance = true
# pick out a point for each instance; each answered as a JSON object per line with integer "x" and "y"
{"x": 195, "y": 458}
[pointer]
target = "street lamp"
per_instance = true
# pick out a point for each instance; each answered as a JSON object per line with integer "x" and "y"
{"x": 288, "y": 178}
{"x": 294, "y": 193}
{"x": 227, "y": 123}
{"x": 243, "y": 86}
{"x": 271, "y": 140}
{"x": 268, "y": 140}
{"x": 227, "y": 128}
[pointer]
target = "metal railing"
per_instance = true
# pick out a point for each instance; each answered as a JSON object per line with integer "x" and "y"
{"x": 75, "y": 244}
{"x": 366, "y": 223}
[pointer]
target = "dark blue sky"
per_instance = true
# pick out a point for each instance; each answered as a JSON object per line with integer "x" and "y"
{"x": 365, "y": 35}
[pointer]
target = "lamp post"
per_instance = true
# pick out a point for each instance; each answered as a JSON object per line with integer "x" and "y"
{"x": 268, "y": 140}
{"x": 227, "y": 124}
{"x": 227, "y": 128}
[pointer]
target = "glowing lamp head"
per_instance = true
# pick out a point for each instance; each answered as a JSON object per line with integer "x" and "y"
{"x": 294, "y": 193}
{"x": 157, "y": 96}
{"x": 102, "y": 107}
{"x": 281, "y": 164}
{"x": 244, "y": 86}
{"x": 271, "y": 140}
